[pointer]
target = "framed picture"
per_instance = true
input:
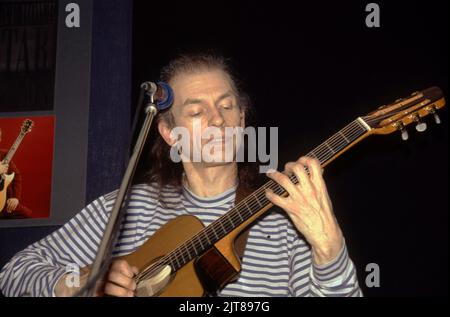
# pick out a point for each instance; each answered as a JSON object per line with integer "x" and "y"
{"x": 44, "y": 78}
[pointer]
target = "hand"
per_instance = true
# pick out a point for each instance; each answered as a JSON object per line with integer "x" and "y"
{"x": 309, "y": 207}
{"x": 65, "y": 288}
{"x": 3, "y": 168}
{"x": 120, "y": 280}
{"x": 11, "y": 204}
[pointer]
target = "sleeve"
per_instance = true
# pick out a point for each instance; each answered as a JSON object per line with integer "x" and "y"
{"x": 336, "y": 278}
{"x": 35, "y": 270}
{"x": 16, "y": 186}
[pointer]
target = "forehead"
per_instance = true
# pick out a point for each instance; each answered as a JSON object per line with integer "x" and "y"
{"x": 204, "y": 84}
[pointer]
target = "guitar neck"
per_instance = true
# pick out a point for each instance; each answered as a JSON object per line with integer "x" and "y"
{"x": 256, "y": 204}
{"x": 14, "y": 148}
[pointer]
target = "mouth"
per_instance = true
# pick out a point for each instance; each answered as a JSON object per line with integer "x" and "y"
{"x": 220, "y": 140}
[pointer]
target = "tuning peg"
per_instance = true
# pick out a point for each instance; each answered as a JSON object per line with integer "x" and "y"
{"x": 421, "y": 126}
{"x": 436, "y": 116}
{"x": 437, "y": 119}
{"x": 405, "y": 135}
{"x": 401, "y": 127}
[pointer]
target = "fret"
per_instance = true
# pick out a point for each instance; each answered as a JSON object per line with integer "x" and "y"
{"x": 322, "y": 157}
{"x": 257, "y": 200}
{"x": 239, "y": 214}
{"x": 207, "y": 238}
{"x": 176, "y": 257}
{"x": 338, "y": 143}
{"x": 171, "y": 264}
{"x": 331, "y": 149}
{"x": 344, "y": 136}
{"x": 200, "y": 240}
{"x": 230, "y": 219}
{"x": 224, "y": 230}
{"x": 214, "y": 231}
{"x": 181, "y": 252}
{"x": 193, "y": 246}
{"x": 312, "y": 154}
{"x": 227, "y": 222}
{"x": 248, "y": 208}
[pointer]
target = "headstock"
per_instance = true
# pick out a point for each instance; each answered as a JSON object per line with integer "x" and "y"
{"x": 405, "y": 111}
{"x": 26, "y": 126}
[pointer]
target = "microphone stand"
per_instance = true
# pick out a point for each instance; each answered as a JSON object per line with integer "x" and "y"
{"x": 104, "y": 253}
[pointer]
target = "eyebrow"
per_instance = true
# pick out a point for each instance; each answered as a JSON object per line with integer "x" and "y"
{"x": 190, "y": 101}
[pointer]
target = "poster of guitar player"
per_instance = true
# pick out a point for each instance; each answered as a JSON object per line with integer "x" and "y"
{"x": 26, "y": 154}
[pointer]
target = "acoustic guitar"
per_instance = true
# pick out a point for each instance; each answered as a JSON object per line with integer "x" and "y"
{"x": 185, "y": 258}
{"x": 6, "y": 179}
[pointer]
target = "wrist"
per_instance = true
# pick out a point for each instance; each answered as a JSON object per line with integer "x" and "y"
{"x": 327, "y": 251}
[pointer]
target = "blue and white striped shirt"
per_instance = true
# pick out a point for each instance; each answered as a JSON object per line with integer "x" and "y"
{"x": 276, "y": 261}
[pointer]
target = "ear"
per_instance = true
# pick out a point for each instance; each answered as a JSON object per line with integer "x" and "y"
{"x": 164, "y": 131}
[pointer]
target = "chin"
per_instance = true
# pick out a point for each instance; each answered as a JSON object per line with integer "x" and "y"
{"x": 215, "y": 164}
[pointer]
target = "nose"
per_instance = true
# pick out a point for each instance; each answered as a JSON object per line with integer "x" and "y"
{"x": 216, "y": 118}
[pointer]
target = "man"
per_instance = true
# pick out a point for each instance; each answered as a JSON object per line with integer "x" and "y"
{"x": 13, "y": 208}
{"x": 296, "y": 250}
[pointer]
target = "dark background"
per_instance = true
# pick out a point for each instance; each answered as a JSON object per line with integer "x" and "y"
{"x": 310, "y": 69}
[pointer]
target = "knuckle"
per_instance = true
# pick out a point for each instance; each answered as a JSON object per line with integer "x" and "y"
{"x": 111, "y": 289}
{"x": 113, "y": 276}
{"x": 298, "y": 168}
{"x": 120, "y": 264}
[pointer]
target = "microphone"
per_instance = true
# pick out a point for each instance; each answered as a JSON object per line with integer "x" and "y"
{"x": 162, "y": 93}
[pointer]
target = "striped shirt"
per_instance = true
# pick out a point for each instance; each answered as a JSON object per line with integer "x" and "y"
{"x": 276, "y": 261}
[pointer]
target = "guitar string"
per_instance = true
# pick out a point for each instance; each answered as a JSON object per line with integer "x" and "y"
{"x": 260, "y": 193}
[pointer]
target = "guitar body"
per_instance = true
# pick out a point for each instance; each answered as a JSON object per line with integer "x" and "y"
{"x": 4, "y": 184}
{"x": 198, "y": 277}
{"x": 5, "y": 179}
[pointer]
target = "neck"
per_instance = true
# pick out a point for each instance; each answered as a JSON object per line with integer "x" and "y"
{"x": 209, "y": 181}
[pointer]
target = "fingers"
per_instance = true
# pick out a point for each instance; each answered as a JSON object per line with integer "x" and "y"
{"x": 276, "y": 199}
{"x": 120, "y": 279}
{"x": 314, "y": 168}
{"x": 123, "y": 267}
{"x": 115, "y": 290}
{"x": 308, "y": 184}
{"x": 283, "y": 180}
{"x": 298, "y": 169}
{"x": 9, "y": 206}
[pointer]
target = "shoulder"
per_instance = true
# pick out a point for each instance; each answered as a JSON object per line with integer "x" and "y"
{"x": 148, "y": 193}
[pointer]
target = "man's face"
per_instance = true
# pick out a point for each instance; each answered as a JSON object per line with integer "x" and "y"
{"x": 206, "y": 100}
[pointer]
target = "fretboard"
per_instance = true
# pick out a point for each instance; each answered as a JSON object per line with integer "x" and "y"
{"x": 257, "y": 201}
{"x": 14, "y": 147}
